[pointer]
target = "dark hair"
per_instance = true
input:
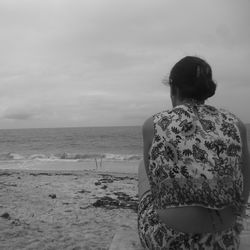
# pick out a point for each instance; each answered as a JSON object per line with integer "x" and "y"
{"x": 192, "y": 76}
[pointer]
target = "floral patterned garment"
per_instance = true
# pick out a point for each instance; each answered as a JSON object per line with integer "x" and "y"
{"x": 195, "y": 158}
{"x": 156, "y": 235}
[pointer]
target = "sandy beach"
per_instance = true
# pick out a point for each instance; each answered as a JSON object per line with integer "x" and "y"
{"x": 73, "y": 210}
{"x": 64, "y": 210}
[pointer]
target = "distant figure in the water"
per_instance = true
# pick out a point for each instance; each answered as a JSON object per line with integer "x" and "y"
{"x": 194, "y": 181}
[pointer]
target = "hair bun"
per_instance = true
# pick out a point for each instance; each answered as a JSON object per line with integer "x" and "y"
{"x": 203, "y": 88}
{"x": 193, "y": 77}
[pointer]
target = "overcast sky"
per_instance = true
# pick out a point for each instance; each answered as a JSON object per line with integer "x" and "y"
{"x": 101, "y": 62}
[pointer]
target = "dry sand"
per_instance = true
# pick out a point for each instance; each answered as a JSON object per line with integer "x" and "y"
{"x": 53, "y": 210}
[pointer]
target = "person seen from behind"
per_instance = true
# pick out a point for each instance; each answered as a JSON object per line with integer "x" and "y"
{"x": 194, "y": 181}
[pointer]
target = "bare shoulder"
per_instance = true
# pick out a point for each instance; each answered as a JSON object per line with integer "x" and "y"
{"x": 148, "y": 124}
{"x": 242, "y": 129}
{"x": 148, "y": 127}
{"x": 245, "y": 150}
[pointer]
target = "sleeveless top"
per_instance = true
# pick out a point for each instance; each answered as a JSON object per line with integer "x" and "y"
{"x": 195, "y": 158}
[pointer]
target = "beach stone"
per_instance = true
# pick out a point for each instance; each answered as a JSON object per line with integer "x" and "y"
{"x": 104, "y": 187}
{"x": 16, "y": 222}
{"x": 52, "y": 196}
{"x": 5, "y": 215}
{"x": 66, "y": 203}
{"x": 83, "y": 191}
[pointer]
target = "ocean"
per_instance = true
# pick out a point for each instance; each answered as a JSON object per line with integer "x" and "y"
{"x": 83, "y": 144}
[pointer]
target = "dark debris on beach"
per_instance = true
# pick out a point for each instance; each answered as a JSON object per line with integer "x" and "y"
{"x": 5, "y": 174}
{"x": 122, "y": 199}
{"x": 51, "y": 174}
{"x": 107, "y": 178}
{"x": 116, "y": 178}
{"x": 5, "y": 215}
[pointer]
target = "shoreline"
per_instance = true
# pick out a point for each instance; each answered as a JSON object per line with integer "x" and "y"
{"x": 69, "y": 165}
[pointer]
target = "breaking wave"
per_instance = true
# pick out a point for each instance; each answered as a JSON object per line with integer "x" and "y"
{"x": 71, "y": 156}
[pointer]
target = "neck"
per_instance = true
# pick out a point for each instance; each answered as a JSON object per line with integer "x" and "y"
{"x": 190, "y": 101}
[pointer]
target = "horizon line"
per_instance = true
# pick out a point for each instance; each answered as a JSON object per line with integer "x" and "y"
{"x": 109, "y": 126}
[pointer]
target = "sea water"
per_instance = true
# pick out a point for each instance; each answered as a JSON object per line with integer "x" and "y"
{"x": 89, "y": 145}
{"x": 44, "y": 148}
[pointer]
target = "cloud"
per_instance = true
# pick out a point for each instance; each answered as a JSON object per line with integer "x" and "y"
{"x": 18, "y": 116}
{"x": 69, "y": 62}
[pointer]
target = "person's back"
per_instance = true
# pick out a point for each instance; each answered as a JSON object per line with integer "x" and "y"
{"x": 193, "y": 157}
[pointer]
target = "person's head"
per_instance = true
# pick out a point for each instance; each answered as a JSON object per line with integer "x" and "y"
{"x": 191, "y": 79}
